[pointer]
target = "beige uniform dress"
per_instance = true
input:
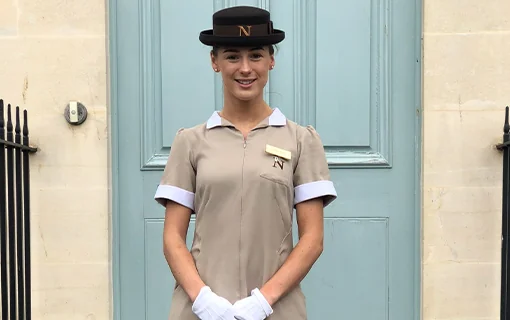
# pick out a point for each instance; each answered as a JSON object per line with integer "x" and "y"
{"x": 243, "y": 196}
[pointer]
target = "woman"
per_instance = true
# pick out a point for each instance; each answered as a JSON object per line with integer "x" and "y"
{"x": 243, "y": 172}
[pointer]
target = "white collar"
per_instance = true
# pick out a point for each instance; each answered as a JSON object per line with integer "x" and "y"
{"x": 277, "y": 118}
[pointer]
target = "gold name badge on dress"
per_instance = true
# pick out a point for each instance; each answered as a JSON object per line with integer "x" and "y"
{"x": 278, "y": 152}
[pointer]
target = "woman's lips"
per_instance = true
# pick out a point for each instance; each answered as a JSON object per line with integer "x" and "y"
{"x": 245, "y": 83}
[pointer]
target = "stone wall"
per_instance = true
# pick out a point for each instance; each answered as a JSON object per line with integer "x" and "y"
{"x": 52, "y": 52}
{"x": 466, "y": 87}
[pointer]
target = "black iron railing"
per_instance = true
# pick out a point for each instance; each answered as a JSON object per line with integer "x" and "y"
{"x": 15, "y": 215}
{"x": 505, "y": 147}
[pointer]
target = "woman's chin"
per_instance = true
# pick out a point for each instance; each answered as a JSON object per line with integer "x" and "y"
{"x": 246, "y": 95}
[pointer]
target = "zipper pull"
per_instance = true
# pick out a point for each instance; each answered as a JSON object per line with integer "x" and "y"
{"x": 244, "y": 145}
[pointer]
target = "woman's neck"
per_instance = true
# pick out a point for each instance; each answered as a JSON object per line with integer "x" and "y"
{"x": 245, "y": 114}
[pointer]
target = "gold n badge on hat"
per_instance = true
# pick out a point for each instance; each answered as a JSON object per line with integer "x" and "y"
{"x": 243, "y": 31}
{"x": 280, "y": 155}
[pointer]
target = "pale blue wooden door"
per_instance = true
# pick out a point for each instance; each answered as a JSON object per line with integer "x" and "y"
{"x": 351, "y": 69}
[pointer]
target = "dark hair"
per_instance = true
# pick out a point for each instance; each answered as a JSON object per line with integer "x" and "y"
{"x": 215, "y": 49}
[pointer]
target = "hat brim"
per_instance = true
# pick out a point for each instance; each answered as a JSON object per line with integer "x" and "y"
{"x": 207, "y": 38}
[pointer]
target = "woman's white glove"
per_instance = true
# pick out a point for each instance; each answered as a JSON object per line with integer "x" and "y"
{"x": 254, "y": 307}
{"x": 209, "y": 306}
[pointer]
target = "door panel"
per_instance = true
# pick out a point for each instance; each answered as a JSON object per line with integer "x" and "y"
{"x": 345, "y": 74}
{"x": 350, "y": 280}
{"x": 347, "y": 67}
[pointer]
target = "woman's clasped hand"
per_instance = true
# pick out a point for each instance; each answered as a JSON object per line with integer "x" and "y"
{"x": 210, "y": 306}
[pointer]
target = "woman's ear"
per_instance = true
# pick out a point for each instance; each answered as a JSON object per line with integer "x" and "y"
{"x": 214, "y": 63}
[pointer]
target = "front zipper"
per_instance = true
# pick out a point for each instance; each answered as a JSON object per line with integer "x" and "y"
{"x": 241, "y": 216}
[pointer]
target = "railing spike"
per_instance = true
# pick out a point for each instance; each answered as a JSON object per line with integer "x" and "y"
{"x": 1, "y": 113}
{"x": 3, "y": 219}
{"x": 17, "y": 125}
{"x": 9, "y": 120}
{"x": 506, "y": 128}
{"x": 25, "y": 123}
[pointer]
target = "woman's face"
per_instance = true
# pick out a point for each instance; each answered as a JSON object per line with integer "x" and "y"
{"x": 244, "y": 70}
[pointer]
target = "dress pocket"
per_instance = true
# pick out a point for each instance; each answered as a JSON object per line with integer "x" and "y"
{"x": 282, "y": 193}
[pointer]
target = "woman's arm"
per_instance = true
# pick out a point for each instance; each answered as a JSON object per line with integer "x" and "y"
{"x": 311, "y": 233}
{"x": 177, "y": 255}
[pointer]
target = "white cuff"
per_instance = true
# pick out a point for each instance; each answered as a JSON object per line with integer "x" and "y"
{"x": 201, "y": 300}
{"x": 315, "y": 189}
{"x": 263, "y": 302}
{"x": 181, "y": 196}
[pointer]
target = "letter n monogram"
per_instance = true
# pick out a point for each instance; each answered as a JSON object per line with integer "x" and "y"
{"x": 243, "y": 31}
{"x": 279, "y": 162}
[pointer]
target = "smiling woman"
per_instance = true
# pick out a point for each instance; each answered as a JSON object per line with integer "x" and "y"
{"x": 243, "y": 171}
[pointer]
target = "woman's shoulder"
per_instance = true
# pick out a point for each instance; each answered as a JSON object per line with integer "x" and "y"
{"x": 303, "y": 133}
{"x": 191, "y": 134}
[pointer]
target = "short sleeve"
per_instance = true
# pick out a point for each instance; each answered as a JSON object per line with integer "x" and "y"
{"x": 311, "y": 175}
{"x": 178, "y": 180}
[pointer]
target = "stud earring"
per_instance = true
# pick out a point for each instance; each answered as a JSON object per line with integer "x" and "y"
{"x": 215, "y": 69}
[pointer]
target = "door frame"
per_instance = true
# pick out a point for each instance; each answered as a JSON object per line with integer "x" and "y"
{"x": 113, "y": 157}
